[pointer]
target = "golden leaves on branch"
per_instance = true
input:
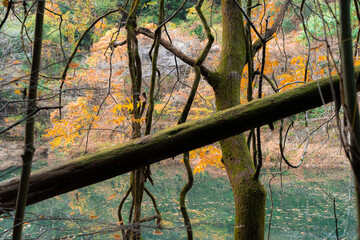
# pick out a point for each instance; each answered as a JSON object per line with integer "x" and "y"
{"x": 206, "y": 156}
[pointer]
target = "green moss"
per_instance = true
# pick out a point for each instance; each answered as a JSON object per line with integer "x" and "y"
{"x": 250, "y": 210}
{"x": 233, "y": 54}
{"x": 249, "y": 194}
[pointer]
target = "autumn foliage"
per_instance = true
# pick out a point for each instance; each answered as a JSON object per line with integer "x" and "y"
{"x": 96, "y": 95}
{"x": 103, "y": 111}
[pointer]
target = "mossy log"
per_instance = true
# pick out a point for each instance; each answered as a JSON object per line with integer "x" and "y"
{"x": 120, "y": 159}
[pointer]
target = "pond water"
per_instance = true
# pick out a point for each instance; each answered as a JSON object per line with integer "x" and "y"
{"x": 300, "y": 205}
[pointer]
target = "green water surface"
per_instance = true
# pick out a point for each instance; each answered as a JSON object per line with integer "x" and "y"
{"x": 300, "y": 206}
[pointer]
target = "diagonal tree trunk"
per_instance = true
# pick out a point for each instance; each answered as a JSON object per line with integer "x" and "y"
{"x": 97, "y": 167}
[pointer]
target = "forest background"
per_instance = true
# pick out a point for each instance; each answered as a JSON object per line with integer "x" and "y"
{"x": 95, "y": 94}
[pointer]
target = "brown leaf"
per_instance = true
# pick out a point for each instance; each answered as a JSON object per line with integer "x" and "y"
{"x": 156, "y": 232}
{"x": 73, "y": 65}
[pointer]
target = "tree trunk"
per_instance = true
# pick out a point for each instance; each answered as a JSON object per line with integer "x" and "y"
{"x": 29, "y": 148}
{"x": 249, "y": 193}
{"x": 137, "y": 194}
{"x": 350, "y": 104}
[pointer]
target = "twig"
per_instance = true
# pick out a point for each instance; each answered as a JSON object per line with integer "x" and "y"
{"x": 27, "y": 117}
{"x": 6, "y": 14}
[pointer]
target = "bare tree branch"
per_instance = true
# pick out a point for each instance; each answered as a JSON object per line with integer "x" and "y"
{"x": 271, "y": 31}
{"x": 209, "y": 75}
{"x": 10, "y": 3}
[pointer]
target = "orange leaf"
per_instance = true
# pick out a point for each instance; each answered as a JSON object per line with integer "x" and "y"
{"x": 117, "y": 236}
{"x": 73, "y": 65}
{"x": 72, "y": 213}
{"x": 112, "y": 196}
{"x": 15, "y": 62}
{"x": 156, "y": 232}
{"x": 93, "y": 217}
{"x": 118, "y": 73}
{"x": 95, "y": 108}
{"x": 17, "y": 91}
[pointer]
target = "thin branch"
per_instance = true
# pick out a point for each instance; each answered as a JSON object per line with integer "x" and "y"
{"x": 250, "y": 22}
{"x": 121, "y": 221}
{"x": 184, "y": 116}
{"x": 29, "y": 148}
{"x": 154, "y": 58}
{"x": 258, "y": 133}
{"x": 10, "y": 3}
{"x": 210, "y": 76}
{"x": 153, "y": 200}
{"x": 63, "y": 76}
{"x": 272, "y": 30}
{"x": 172, "y": 16}
{"x": 27, "y": 117}
{"x": 336, "y": 219}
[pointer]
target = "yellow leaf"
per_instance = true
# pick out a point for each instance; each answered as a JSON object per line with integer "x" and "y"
{"x": 93, "y": 217}
{"x": 95, "y": 125}
{"x": 5, "y": 3}
{"x": 56, "y": 142}
{"x": 112, "y": 196}
{"x": 17, "y": 91}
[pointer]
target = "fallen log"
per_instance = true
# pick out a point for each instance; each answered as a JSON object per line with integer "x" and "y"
{"x": 120, "y": 159}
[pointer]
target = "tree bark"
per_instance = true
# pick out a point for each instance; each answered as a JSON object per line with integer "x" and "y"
{"x": 249, "y": 193}
{"x": 97, "y": 167}
{"x": 350, "y": 104}
{"x": 29, "y": 148}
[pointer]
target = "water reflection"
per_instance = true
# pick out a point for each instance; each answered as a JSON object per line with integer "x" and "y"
{"x": 304, "y": 205}
{"x": 302, "y": 200}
